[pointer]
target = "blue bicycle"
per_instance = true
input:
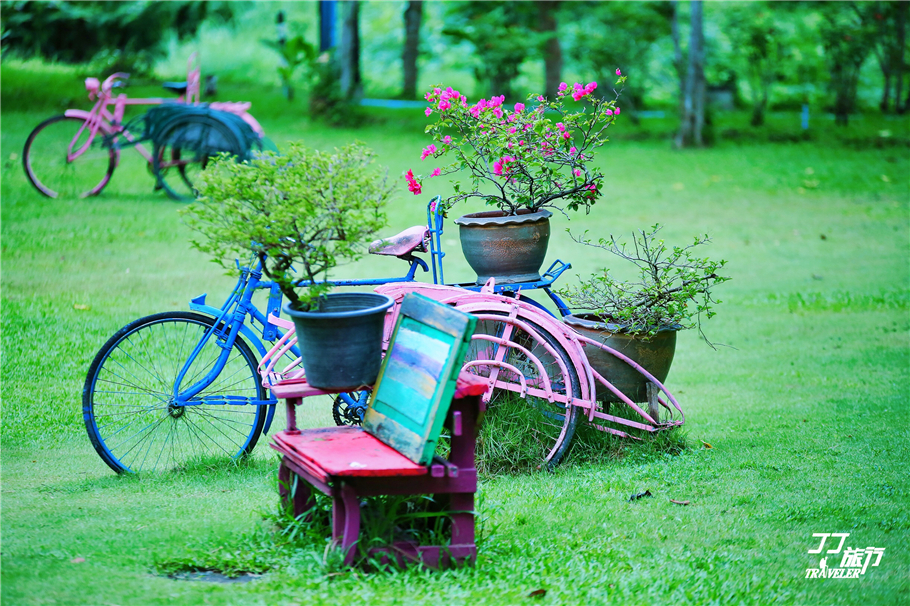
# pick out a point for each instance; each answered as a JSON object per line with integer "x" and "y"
{"x": 176, "y": 389}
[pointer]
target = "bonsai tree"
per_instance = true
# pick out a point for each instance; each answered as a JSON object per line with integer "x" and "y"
{"x": 301, "y": 213}
{"x": 530, "y": 156}
{"x": 674, "y": 287}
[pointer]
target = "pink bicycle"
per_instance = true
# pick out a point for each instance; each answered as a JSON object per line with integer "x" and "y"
{"x": 74, "y": 154}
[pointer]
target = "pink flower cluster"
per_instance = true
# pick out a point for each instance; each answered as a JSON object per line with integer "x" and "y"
{"x": 446, "y": 98}
{"x": 578, "y": 91}
{"x": 429, "y": 150}
{"x": 501, "y": 167}
{"x": 495, "y": 104}
{"x": 413, "y": 185}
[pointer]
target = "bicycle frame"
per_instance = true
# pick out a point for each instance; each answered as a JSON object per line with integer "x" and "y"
{"x": 231, "y": 316}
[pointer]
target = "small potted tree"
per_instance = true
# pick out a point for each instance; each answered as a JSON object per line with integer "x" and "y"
{"x": 302, "y": 213}
{"x": 521, "y": 160}
{"x": 640, "y": 318}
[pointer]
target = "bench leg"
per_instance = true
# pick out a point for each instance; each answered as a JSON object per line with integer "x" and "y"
{"x": 346, "y": 520}
{"x": 290, "y": 487}
{"x": 463, "y": 523}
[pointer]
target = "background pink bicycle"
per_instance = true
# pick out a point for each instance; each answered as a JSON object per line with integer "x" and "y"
{"x": 75, "y": 154}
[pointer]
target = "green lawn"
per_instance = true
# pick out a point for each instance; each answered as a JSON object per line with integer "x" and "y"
{"x": 804, "y": 406}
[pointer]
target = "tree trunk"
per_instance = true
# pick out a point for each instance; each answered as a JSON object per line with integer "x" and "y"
{"x": 546, "y": 13}
{"x": 677, "y": 54}
{"x": 903, "y": 9}
{"x": 326, "y": 25}
{"x": 693, "y": 117}
{"x": 413, "y": 15}
{"x": 351, "y": 84}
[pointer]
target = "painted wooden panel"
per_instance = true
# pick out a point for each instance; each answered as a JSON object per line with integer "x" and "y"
{"x": 418, "y": 375}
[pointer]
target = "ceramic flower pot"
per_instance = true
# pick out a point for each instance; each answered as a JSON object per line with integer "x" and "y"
{"x": 510, "y": 249}
{"x": 341, "y": 342}
{"x": 655, "y": 355}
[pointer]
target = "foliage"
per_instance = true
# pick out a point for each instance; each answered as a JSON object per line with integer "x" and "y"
{"x": 847, "y": 41}
{"x": 306, "y": 207}
{"x": 78, "y": 31}
{"x": 294, "y": 52}
{"x": 327, "y": 100}
{"x": 674, "y": 287}
{"x": 603, "y": 35}
{"x": 502, "y": 35}
{"x": 530, "y": 160}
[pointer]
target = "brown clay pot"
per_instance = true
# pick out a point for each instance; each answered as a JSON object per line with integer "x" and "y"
{"x": 655, "y": 355}
{"x": 510, "y": 249}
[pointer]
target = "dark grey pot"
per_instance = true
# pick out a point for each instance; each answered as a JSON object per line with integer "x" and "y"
{"x": 341, "y": 342}
{"x": 655, "y": 355}
{"x": 510, "y": 249}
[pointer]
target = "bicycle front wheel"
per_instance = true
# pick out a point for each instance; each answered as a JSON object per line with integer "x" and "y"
{"x": 53, "y": 173}
{"x": 529, "y": 421}
{"x": 128, "y": 400}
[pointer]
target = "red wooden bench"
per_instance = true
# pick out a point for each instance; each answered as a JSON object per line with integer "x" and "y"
{"x": 420, "y": 388}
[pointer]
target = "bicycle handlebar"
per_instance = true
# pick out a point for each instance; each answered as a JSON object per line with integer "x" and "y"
{"x": 111, "y": 81}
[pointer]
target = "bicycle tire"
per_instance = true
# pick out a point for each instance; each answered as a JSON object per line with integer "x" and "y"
{"x": 127, "y": 398}
{"x": 176, "y": 145}
{"x": 44, "y": 159}
{"x": 551, "y": 425}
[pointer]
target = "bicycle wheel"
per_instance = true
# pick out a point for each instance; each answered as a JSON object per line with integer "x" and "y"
{"x": 530, "y": 430}
{"x": 184, "y": 151}
{"x": 48, "y": 169}
{"x": 128, "y": 398}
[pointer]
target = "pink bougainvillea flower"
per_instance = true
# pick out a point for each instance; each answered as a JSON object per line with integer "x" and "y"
{"x": 608, "y": 112}
{"x": 429, "y": 150}
{"x": 428, "y": 111}
{"x": 436, "y": 172}
{"x": 577, "y": 172}
{"x": 541, "y": 98}
{"x": 590, "y": 88}
{"x": 616, "y": 111}
{"x": 561, "y": 127}
{"x": 562, "y": 87}
{"x": 447, "y": 140}
{"x": 519, "y": 107}
{"x": 573, "y": 150}
{"x": 444, "y": 105}
{"x": 513, "y": 130}
{"x": 618, "y": 73}
{"x": 413, "y": 185}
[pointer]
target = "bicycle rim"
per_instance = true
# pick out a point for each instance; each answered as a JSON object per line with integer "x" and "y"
{"x": 128, "y": 398}
{"x": 524, "y": 431}
{"x": 178, "y": 161}
{"x": 51, "y": 173}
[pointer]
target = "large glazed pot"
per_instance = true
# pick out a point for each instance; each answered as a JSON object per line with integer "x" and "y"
{"x": 341, "y": 342}
{"x": 655, "y": 355}
{"x": 510, "y": 249}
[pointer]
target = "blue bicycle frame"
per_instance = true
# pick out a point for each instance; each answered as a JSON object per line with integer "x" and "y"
{"x": 231, "y": 317}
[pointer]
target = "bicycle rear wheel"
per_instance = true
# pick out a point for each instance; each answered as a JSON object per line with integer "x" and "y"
{"x": 128, "y": 398}
{"x": 529, "y": 429}
{"x": 184, "y": 151}
{"x": 52, "y": 173}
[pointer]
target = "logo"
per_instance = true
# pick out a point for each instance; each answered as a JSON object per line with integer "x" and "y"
{"x": 853, "y": 563}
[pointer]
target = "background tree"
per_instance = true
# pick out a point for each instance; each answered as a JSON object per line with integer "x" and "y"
{"x": 502, "y": 35}
{"x": 552, "y": 50}
{"x": 889, "y": 22}
{"x": 847, "y": 41}
{"x": 693, "y": 93}
{"x": 349, "y": 52}
{"x": 607, "y": 35}
{"x": 413, "y": 15}
{"x": 75, "y": 32}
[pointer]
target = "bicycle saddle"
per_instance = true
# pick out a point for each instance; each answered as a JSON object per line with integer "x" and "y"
{"x": 415, "y": 238}
{"x": 175, "y": 87}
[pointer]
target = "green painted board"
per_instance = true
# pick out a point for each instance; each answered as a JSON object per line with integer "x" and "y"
{"x": 418, "y": 375}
